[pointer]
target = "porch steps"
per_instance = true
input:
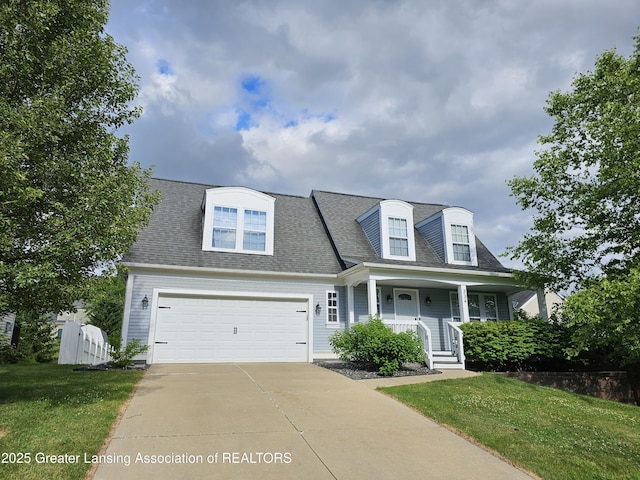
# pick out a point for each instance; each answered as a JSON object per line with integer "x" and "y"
{"x": 445, "y": 360}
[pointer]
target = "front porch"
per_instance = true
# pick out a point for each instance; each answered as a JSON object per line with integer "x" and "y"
{"x": 431, "y": 302}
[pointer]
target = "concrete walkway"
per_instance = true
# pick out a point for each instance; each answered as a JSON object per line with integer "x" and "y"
{"x": 283, "y": 421}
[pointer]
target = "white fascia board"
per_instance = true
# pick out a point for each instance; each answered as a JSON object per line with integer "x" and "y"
{"x": 365, "y": 270}
{"x": 158, "y": 268}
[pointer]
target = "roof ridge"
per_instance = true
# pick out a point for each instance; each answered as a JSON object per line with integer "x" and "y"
{"x": 379, "y": 198}
{"x": 207, "y": 185}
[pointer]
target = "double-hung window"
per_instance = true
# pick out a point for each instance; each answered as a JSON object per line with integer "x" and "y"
{"x": 398, "y": 237}
{"x": 255, "y": 230}
{"x": 225, "y": 226}
{"x": 238, "y": 220}
{"x": 461, "y": 244}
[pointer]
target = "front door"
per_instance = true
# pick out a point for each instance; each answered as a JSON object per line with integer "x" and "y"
{"x": 407, "y": 308}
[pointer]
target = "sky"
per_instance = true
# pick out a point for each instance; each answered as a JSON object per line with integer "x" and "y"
{"x": 435, "y": 101}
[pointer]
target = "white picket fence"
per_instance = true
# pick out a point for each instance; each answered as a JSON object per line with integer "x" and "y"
{"x": 83, "y": 345}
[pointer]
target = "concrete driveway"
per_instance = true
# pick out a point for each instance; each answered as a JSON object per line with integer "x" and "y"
{"x": 281, "y": 421}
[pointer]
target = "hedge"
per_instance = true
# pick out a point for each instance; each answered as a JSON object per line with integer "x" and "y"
{"x": 531, "y": 344}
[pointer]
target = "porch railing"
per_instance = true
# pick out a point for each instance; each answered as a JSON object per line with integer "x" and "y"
{"x": 400, "y": 325}
{"x": 456, "y": 340}
{"x": 424, "y": 333}
{"x": 418, "y": 326}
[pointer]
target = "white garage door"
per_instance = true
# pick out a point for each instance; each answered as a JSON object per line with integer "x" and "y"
{"x": 206, "y": 330}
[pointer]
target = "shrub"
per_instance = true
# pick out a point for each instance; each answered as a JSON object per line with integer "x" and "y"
{"x": 374, "y": 343}
{"x": 9, "y": 354}
{"x": 531, "y": 344}
{"x": 36, "y": 340}
{"x": 123, "y": 357}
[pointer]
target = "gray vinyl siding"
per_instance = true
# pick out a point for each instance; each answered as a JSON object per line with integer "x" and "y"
{"x": 371, "y": 227}
{"x": 144, "y": 284}
{"x": 435, "y": 315}
{"x": 432, "y": 232}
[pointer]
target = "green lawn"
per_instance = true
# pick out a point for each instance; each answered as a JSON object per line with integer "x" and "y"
{"x": 48, "y": 409}
{"x": 555, "y": 434}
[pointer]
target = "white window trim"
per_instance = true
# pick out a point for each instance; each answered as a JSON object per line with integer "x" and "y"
{"x": 397, "y": 209}
{"x": 455, "y": 216}
{"x": 242, "y": 199}
{"x": 483, "y": 314}
{"x": 328, "y": 323}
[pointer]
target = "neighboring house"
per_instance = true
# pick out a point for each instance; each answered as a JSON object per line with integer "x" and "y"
{"x": 528, "y": 302}
{"x": 80, "y": 316}
{"x": 7, "y": 324}
{"x": 230, "y": 274}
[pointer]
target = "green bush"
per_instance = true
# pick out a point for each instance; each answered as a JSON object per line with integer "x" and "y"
{"x": 9, "y": 354}
{"x": 36, "y": 340}
{"x": 531, "y": 344}
{"x": 374, "y": 343}
{"x": 123, "y": 357}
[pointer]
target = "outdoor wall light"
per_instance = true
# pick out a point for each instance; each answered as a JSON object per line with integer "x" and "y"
{"x": 389, "y": 298}
{"x": 318, "y": 309}
{"x": 427, "y": 300}
{"x": 145, "y": 302}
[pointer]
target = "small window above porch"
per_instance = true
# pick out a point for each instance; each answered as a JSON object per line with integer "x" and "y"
{"x": 390, "y": 230}
{"x": 450, "y": 233}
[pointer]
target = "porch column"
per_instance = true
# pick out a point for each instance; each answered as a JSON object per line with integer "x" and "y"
{"x": 372, "y": 289}
{"x": 512, "y": 313}
{"x": 350, "y": 305}
{"x": 463, "y": 303}
{"x": 542, "y": 304}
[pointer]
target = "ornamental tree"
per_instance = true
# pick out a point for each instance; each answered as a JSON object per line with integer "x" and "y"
{"x": 69, "y": 200}
{"x": 584, "y": 193}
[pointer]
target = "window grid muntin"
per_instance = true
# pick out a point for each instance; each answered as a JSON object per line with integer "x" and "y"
{"x": 225, "y": 225}
{"x": 332, "y": 307}
{"x": 398, "y": 237}
{"x": 460, "y": 243}
{"x": 482, "y": 307}
{"x": 255, "y": 230}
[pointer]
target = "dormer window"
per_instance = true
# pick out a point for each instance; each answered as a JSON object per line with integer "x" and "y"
{"x": 460, "y": 243}
{"x": 389, "y": 228}
{"x": 398, "y": 237}
{"x": 225, "y": 226}
{"x": 450, "y": 233}
{"x": 238, "y": 219}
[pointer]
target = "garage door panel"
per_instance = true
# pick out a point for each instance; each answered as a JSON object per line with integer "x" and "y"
{"x": 199, "y": 329}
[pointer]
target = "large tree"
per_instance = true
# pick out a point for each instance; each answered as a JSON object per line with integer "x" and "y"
{"x": 69, "y": 199}
{"x": 585, "y": 191}
{"x": 585, "y": 194}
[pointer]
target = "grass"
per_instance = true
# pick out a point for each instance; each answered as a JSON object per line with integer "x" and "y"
{"x": 554, "y": 434}
{"x": 50, "y": 409}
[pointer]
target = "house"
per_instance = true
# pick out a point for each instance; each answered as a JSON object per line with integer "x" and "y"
{"x": 79, "y": 315}
{"x": 231, "y": 274}
{"x": 7, "y": 324}
{"x": 527, "y": 301}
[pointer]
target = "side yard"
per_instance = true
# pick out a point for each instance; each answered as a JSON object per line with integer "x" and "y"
{"x": 554, "y": 434}
{"x": 52, "y": 416}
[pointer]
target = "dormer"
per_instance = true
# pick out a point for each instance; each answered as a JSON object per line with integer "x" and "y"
{"x": 389, "y": 228}
{"x": 237, "y": 220}
{"x": 450, "y": 233}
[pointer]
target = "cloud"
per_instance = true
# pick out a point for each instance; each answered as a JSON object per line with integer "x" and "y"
{"x": 427, "y": 101}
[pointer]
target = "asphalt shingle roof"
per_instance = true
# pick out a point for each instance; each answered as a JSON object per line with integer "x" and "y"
{"x": 174, "y": 235}
{"x": 301, "y": 244}
{"x": 340, "y": 213}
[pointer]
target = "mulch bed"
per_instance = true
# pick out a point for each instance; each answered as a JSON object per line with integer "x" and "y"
{"x": 363, "y": 371}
